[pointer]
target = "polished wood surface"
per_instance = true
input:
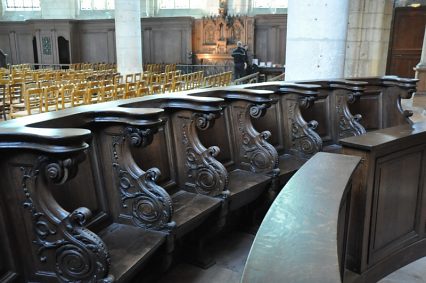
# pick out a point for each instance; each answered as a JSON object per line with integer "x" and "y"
{"x": 170, "y": 172}
{"x": 298, "y": 238}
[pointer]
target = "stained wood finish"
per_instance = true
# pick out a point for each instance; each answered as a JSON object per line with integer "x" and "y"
{"x": 380, "y": 105}
{"x": 251, "y": 155}
{"x": 119, "y": 195}
{"x": 406, "y": 42}
{"x": 335, "y": 121}
{"x": 387, "y": 229}
{"x": 292, "y": 236}
{"x": 50, "y": 242}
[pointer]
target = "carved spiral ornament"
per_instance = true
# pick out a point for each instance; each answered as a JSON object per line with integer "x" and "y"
{"x": 204, "y": 121}
{"x": 60, "y": 171}
{"x": 83, "y": 258}
{"x": 139, "y": 138}
{"x": 257, "y": 111}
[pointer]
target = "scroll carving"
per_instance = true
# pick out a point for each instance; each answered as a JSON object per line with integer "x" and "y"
{"x": 255, "y": 150}
{"x": 72, "y": 252}
{"x": 148, "y": 204}
{"x": 205, "y": 174}
{"x": 348, "y": 124}
{"x": 304, "y": 139}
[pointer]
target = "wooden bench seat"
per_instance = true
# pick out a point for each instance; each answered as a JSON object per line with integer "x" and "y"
{"x": 191, "y": 210}
{"x": 129, "y": 248}
{"x": 245, "y": 187}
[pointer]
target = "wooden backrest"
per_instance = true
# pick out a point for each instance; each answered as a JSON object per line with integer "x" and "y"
{"x": 380, "y": 105}
{"x": 34, "y": 101}
{"x": 51, "y": 98}
{"x": 78, "y": 97}
{"x": 242, "y": 146}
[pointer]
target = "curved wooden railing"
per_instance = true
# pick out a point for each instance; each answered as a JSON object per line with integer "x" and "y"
{"x": 332, "y": 223}
{"x": 300, "y": 239}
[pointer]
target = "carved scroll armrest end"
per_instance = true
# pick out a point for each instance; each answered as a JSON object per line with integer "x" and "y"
{"x": 80, "y": 216}
{"x": 357, "y": 117}
{"x": 265, "y": 135}
{"x": 354, "y": 97}
{"x": 407, "y": 113}
{"x": 313, "y": 124}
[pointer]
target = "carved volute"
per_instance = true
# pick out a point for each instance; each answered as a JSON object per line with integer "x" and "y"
{"x": 147, "y": 204}
{"x": 202, "y": 173}
{"x": 62, "y": 248}
{"x": 254, "y": 153}
{"x": 395, "y": 90}
{"x": 344, "y": 93}
{"x": 135, "y": 194}
{"x": 301, "y": 136}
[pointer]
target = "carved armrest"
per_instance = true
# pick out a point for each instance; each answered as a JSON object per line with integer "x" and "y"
{"x": 45, "y": 159}
{"x": 346, "y": 92}
{"x": 253, "y": 152}
{"x": 198, "y": 169}
{"x": 133, "y": 192}
{"x": 301, "y": 136}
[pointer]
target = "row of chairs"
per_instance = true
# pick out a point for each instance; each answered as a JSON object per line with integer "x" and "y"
{"x": 159, "y": 68}
{"x": 222, "y": 79}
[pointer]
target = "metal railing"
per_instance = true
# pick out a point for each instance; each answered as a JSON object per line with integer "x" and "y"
{"x": 208, "y": 70}
{"x": 253, "y": 78}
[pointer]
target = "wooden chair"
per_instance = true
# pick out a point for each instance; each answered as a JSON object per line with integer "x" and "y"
{"x": 93, "y": 95}
{"x": 120, "y": 90}
{"x": 130, "y": 94}
{"x": 129, "y": 78}
{"x": 142, "y": 91}
{"x": 51, "y": 99}
{"x": 78, "y": 97}
{"x": 107, "y": 93}
{"x": 66, "y": 95}
{"x": 33, "y": 104}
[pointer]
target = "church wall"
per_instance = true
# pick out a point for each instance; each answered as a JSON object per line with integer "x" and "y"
{"x": 368, "y": 37}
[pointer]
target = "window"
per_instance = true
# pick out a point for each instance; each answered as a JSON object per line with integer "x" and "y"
{"x": 180, "y": 4}
{"x": 270, "y": 3}
{"x": 97, "y": 4}
{"x": 23, "y": 5}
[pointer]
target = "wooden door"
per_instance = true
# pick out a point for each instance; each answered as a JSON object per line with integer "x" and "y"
{"x": 405, "y": 47}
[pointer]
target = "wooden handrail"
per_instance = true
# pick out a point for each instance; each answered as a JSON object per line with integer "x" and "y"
{"x": 299, "y": 239}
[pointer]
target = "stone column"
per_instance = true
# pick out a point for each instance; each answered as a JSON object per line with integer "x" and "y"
{"x": 316, "y": 36}
{"x": 421, "y": 69}
{"x": 128, "y": 36}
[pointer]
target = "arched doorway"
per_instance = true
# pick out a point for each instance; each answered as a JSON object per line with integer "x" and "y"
{"x": 64, "y": 50}
{"x": 35, "y": 52}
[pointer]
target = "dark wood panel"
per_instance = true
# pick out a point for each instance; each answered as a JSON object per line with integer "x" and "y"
{"x": 397, "y": 195}
{"x": 369, "y": 107}
{"x": 156, "y": 155}
{"x": 271, "y": 122}
{"x": 216, "y": 136}
{"x": 405, "y": 47}
{"x": 320, "y": 113}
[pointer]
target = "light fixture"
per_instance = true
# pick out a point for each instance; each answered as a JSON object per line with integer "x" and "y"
{"x": 415, "y": 5}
